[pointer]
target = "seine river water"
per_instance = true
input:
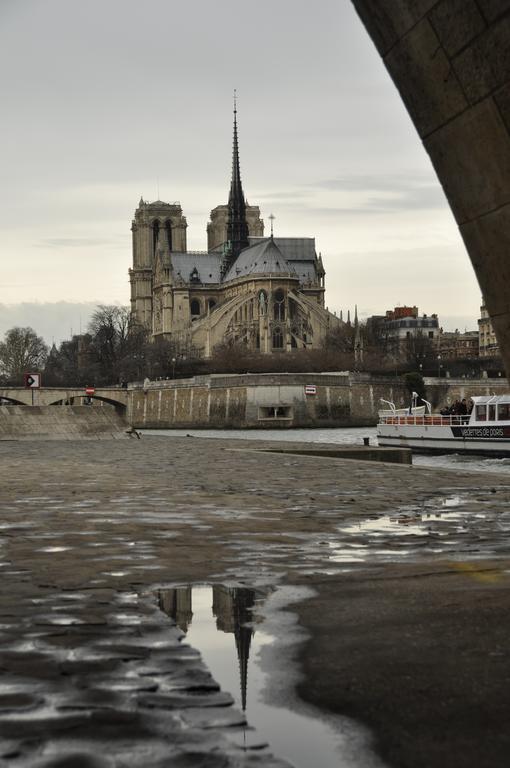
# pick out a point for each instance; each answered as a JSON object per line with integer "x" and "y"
{"x": 342, "y": 436}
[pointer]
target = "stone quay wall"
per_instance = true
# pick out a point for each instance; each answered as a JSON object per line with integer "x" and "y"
{"x": 60, "y": 422}
{"x": 443, "y": 391}
{"x": 283, "y": 400}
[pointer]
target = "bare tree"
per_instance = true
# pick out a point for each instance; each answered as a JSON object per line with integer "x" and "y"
{"x": 419, "y": 351}
{"x": 109, "y": 329}
{"x": 21, "y": 351}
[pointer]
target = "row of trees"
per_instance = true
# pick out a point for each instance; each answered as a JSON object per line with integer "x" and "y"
{"x": 106, "y": 351}
{"x": 113, "y": 351}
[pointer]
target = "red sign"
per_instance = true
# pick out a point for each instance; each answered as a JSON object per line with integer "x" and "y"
{"x": 90, "y": 390}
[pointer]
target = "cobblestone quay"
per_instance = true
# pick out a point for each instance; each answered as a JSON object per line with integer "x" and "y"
{"x": 407, "y": 631}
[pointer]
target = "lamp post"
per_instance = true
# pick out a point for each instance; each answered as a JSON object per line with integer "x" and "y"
{"x": 439, "y": 366}
{"x": 173, "y": 367}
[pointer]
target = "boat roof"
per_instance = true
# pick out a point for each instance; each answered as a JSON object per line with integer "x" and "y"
{"x": 493, "y": 399}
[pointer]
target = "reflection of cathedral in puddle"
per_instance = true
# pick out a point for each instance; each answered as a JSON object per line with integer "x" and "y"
{"x": 232, "y": 608}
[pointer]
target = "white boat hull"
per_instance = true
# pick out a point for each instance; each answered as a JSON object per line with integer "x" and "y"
{"x": 489, "y": 440}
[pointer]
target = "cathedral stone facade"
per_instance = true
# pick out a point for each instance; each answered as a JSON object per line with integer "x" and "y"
{"x": 264, "y": 292}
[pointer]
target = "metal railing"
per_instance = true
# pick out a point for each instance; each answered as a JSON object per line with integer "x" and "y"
{"x": 428, "y": 420}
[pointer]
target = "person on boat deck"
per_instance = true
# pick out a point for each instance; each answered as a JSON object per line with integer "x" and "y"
{"x": 471, "y": 405}
{"x": 462, "y": 407}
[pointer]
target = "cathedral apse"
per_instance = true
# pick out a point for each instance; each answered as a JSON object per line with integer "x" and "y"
{"x": 266, "y": 293}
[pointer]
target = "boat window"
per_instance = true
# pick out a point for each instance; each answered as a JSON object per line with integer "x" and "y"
{"x": 504, "y": 412}
{"x": 481, "y": 413}
{"x": 492, "y": 412}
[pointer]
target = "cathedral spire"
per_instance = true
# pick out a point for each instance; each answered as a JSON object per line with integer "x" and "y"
{"x": 237, "y": 226}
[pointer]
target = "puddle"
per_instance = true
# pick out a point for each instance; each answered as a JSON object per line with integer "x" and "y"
{"x": 449, "y": 525}
{"x": 50, "y": 550}
{"x": 398, "y": 525}
{"x": 224, "y": 623}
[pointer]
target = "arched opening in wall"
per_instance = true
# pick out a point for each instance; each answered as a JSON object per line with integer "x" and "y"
{"x": 279, "y": 305}
{"x": 257, "y": 341}
{"x": 277, "y": 338}
{"x": 168, "y": 229}
{"x": 293, "y": 342}
{"x": 155, "y": 234}
{"x": 262, "y": 302}
{"x": 211, "y": 304}
{"x": 194, "y": 307}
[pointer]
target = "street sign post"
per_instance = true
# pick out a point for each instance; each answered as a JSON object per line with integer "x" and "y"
{"x": 310, "y": 389}
{"x": 32, "y": 381}
{"x": 90, "y": 391}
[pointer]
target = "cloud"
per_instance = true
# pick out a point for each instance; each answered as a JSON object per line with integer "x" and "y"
{"x": 290, "y": 194}
{"x": 74, "y": 242}
{"x": 385, "y": 194}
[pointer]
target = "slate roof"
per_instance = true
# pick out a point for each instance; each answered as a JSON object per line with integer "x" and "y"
{"x": 282, "y": 255}
{"x": 207, "y": 265}
{"x": 263, "y": 257}
{"x": 293, "y": 248}
{"x": 300, "y": 254}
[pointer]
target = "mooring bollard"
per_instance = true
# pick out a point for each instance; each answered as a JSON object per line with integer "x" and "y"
{"x": 366, "y": 441}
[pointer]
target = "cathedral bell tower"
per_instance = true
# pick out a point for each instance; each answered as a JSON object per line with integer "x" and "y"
{"x": 154, "y": 223}
{"x": 237, "y": 224}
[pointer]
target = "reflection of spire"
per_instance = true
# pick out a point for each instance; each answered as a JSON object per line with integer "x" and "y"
{"x": 243, "y": 637}
{"x": 232, "y": 608}
{"x": 237, "y": 226}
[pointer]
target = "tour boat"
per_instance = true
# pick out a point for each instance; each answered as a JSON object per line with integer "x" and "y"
{"x": 485, "y": 431}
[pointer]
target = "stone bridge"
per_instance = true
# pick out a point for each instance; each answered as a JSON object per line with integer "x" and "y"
{"x": 116, "y": 396}
{"x": 450, "y": 60}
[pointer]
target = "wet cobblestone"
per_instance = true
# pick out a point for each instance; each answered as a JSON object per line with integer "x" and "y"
{"x": 92, "y": 673}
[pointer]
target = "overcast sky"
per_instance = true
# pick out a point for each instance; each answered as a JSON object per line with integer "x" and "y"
{"x": 107, "y": 100}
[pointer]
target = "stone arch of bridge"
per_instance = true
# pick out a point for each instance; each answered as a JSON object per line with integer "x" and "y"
{"x": 12, "y": 401}
{"x": 450, "y": 63}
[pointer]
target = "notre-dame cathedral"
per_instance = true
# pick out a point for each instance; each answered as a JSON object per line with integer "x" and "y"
{"x": 264, "y": 292}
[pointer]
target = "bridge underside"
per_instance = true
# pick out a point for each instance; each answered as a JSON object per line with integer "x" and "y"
{"x": 450, "y": 60}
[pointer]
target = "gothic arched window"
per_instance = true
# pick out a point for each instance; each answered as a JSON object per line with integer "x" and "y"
{"x": 277, "y": 338}
{"x": 168, "y": 228}
{"x": 155, "y": 234}
{"x": 194, "y": 307}
{"x": 279, "y": 305}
